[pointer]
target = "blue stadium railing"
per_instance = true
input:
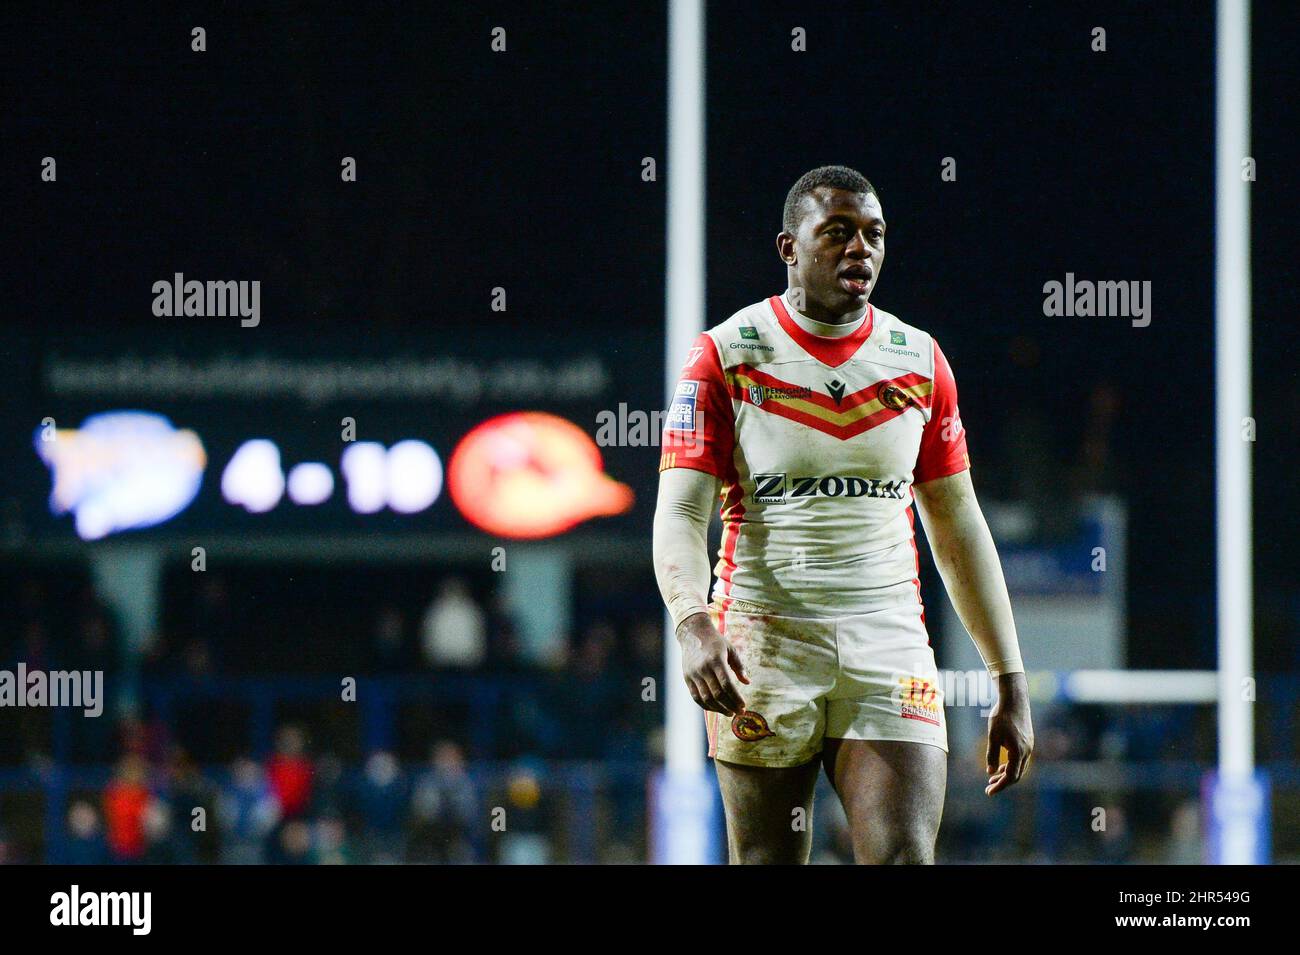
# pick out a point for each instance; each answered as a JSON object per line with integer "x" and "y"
{"x": 379, "y": 699}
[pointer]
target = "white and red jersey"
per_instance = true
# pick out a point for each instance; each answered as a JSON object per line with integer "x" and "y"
{"x": 817, "y": 442}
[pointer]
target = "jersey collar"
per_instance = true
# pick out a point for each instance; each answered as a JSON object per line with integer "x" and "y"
{"x": 832, "y": 352}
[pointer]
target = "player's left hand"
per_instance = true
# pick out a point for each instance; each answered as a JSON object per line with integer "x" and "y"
{"x": 1010, "y": 729}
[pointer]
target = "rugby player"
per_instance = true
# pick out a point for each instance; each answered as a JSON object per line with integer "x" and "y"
{"x": 818, "y": 419}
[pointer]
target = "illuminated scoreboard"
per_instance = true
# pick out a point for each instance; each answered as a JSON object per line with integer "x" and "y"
{"x": 406, "y": 477}
{"x": 194, "y": 440}
{"x": 522, "y": 475}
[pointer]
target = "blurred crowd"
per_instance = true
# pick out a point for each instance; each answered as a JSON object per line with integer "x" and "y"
{"x": 191, "y": 780}
{"x": 296, "y": 808}
{"x": 496, "y": 758}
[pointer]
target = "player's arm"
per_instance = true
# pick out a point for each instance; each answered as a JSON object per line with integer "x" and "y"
{"x": 698, "y": 442}
{"x": 682, "y": 570}
{"x": 968, "y": 561}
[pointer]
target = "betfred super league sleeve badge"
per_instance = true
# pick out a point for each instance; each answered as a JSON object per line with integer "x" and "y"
{"x": 681, "y": 413}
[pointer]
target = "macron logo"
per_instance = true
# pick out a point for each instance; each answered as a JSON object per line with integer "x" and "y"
{"x": 103, "y": 908}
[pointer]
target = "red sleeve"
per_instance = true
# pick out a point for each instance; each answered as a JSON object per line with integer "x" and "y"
{"x": 943, "y": 442}
{"x": 700, "y": 428}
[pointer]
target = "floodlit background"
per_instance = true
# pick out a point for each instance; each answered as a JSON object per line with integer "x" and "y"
{"x": 343, "y": 605}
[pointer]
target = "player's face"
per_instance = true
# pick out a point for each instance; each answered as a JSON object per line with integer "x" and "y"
{"x": 837, "y": 255}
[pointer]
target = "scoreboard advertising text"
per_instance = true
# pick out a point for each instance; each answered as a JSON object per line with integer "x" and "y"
{"x": 528, "y": 443}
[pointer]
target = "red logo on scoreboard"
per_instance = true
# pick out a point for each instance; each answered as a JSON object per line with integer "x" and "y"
{"x": 530, "y": 474}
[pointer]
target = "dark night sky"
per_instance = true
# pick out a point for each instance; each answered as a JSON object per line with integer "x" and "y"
{"x": 522, "y": 170}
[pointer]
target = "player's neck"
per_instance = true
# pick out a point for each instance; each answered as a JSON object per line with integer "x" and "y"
{"x": 846, "y": 324}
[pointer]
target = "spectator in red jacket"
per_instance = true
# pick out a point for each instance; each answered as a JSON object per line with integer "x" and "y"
{"x": 290, "y": 772}
{"x": 125, "y": 800}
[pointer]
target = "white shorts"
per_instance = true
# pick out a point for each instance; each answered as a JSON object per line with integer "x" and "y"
{"x": 865, "y": 676}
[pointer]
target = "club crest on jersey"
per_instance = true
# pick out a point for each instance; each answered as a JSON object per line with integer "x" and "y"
{"x": 894, "y": 397}
{"x": 756, "y": 394}
{"x": 750, "y": 727}
{"x": 836, "y": 390}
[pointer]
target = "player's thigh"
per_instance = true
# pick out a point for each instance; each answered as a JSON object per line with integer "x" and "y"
{"x": 893, "y": 794}
{"x": 768, "y": 810}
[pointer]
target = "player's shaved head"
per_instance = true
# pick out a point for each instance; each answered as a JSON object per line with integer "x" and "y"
{"x": 832, "y": 177}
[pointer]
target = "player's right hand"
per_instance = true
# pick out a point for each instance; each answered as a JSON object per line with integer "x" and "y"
{"x": 708, "y": 660}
